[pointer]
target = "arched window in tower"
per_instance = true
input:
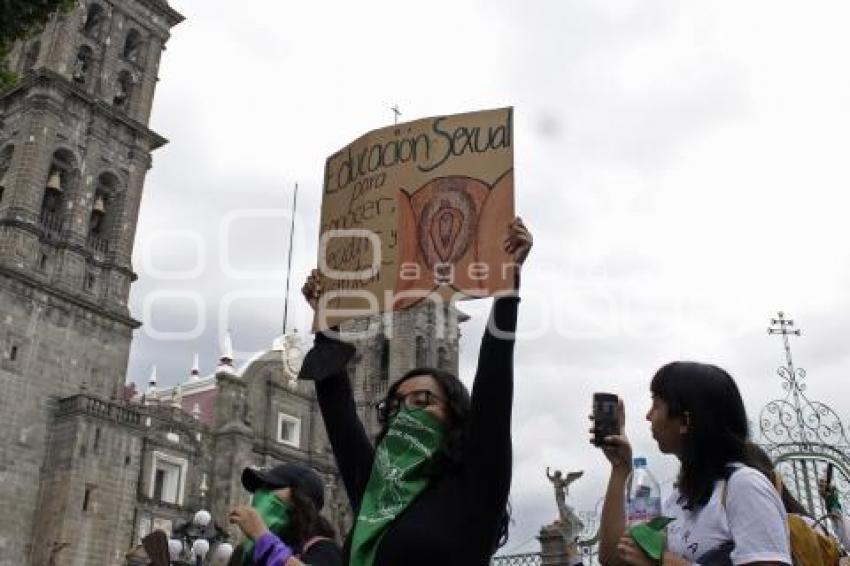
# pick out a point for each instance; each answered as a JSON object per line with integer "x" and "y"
{"x": 83, "y": 64}
{"x": 31, "y": 56}
{"x": 133, "y": 46}
{"x": 443, "y": 358}
{"x": 95, "y": 21}
{"x": 123, "y": 90}
{"x": 421, "y": 354}
{"x": 59, "y": 180}
{"x": 102, "y": 212}
{"x": 5, "y": 165}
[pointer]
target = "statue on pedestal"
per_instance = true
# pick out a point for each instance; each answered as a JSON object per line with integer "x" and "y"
{"x": 570, "y": 524}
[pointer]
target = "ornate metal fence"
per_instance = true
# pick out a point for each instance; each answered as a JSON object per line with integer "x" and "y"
{"x": 804, "y": 437}
{"x": 588, "y": 542}
{"x": 528, "y": 559}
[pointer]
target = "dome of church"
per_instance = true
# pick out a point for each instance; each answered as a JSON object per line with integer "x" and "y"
{"x": 287, "y": 352}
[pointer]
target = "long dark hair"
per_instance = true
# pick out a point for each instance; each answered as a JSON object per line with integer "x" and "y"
{"x": 707, "y": 398}
{"x": 449, "y": 458}
{"x": 306, "y": 522}
{"x": 762, "y": 462}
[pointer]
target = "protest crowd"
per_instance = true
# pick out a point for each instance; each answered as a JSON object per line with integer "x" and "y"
{"x": 426, "y": 210}
{"x": 434, "y": 487}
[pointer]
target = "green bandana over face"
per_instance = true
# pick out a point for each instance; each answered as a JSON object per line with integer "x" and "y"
{"x": 398, "y": 477}
{"x": 274, "y": 512}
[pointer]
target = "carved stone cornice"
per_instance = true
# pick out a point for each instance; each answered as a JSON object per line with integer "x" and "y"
{"x": 84, "y": 251}
{"x": 161, "y": 7}
{"x": 31, "y": 283}
{"x": 46, "y": 78}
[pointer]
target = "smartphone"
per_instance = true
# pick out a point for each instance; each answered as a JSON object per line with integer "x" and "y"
{"x": 605, "y": 418}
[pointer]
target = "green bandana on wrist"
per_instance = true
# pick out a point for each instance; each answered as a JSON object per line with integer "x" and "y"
{"x": 275, "y": 513}
{"x": 399, "y": 475}
{"x": 651, "y": 537}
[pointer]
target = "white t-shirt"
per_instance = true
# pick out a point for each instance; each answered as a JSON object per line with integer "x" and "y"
{"x": 754, "y": 518}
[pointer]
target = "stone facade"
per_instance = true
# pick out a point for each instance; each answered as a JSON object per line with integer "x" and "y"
{"x": 74, "y": 151}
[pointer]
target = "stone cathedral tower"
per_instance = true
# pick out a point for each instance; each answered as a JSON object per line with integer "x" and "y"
{"x": 74, "y": 150}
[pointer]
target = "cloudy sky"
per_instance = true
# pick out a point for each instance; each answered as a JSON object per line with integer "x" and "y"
{"x": 683, "y": 166}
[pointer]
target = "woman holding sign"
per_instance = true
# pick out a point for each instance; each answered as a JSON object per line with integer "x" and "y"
{"x": 434, "y": 489}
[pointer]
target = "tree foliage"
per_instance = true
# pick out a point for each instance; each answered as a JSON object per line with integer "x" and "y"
{"x": 18, "y": 20}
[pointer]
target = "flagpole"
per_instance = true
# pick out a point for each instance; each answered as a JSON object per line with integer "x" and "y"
{"x": 289, "y": 260}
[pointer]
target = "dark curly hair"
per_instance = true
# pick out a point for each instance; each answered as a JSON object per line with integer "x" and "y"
{"x": 449, "y": 458}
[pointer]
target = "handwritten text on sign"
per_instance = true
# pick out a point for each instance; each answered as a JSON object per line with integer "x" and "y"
{"x": 416, "y": 211}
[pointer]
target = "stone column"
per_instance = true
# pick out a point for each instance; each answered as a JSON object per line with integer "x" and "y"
{"x": 553, "y": 549}
{"x": 143, "y": 99}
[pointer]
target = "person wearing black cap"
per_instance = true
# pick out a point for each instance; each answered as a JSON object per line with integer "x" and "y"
{"x": 433, "y": 490}
{"x": 282, "y": 525}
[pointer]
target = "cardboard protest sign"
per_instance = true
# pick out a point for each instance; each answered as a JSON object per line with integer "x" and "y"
{"x": 417, "y": 211}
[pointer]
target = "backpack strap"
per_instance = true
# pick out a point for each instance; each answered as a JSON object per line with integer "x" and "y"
{"x": 724, "y": 490}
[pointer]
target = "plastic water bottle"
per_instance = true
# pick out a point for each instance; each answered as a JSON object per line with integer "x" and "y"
{"x": 643, "y": 495}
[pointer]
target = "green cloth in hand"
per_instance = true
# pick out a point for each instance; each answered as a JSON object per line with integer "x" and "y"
{"x": 651, "y": 536}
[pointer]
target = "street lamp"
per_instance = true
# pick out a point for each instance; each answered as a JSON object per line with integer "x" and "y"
{"x": 202, "y": 518}
{"x": 175, "y": 549}
{"x": 222, "y": 553}
{"x": 199, "y": 550}
{"x": 194, "y": 539}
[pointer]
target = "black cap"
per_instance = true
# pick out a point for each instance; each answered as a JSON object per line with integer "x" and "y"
{"x": 297, "y": 476}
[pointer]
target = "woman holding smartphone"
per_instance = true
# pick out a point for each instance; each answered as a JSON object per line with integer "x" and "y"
{"x": 697, "y": 415}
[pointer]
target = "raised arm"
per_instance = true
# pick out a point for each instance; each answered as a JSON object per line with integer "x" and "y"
{"x": 488, "y": 451}
{"x": 489, "y": 425}
{"x": 326, "y": 364}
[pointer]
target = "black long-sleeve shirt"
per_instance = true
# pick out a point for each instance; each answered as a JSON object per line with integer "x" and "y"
{"x": 456, "y": 520}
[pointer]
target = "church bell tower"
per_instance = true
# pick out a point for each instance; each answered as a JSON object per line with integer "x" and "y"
{"x": 75, "y": 147}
